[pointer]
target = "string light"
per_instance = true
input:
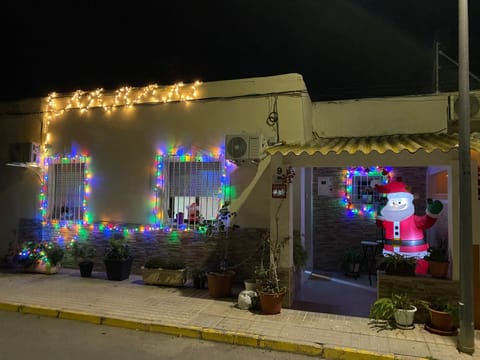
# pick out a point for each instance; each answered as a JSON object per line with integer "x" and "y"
{"x": 366, "y": 209}
{"x": 126, "y": 96}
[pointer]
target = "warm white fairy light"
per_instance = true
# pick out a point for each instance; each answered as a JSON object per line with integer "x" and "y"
{"x": 124, "y": 97}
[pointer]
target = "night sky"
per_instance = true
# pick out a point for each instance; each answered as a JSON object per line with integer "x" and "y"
{"x": 343, "y": 48}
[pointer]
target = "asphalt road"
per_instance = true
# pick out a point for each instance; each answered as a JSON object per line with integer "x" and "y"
{"x": 31, "y": 337}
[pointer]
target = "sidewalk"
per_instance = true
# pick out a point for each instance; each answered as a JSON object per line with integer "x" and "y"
{"x": 192, "y": 313}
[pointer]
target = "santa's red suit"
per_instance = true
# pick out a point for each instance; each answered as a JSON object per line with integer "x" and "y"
{"x": 406, "y": 234}
{"x": 404, "y": 230}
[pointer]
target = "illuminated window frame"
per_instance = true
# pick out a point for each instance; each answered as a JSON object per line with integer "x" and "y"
{"x": 161, "y": 199}
{"x": 366, "y": 209}
{"x": 79, "y": 164}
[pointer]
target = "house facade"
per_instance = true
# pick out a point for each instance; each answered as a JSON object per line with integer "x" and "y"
{"x": 156, "y": 163}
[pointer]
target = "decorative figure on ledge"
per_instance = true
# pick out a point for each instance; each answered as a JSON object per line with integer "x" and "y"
{"x": 403, "y": 229}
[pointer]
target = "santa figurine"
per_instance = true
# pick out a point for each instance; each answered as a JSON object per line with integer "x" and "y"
{"x": 403, "y": 229}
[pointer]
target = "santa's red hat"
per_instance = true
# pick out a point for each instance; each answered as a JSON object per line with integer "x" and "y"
{"x": 395, "y": 187}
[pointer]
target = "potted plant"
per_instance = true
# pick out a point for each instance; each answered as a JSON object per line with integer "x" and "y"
{"x": 117, "y": 260}
{"x": 271, "y": 291}
{"x": 220, "y": 281}
{"x": 158, "y": 271}
{"x": 351, "y": 261}
{"x": 42, "y": 257}
{"x": 84, "y": 255}
{"x": 199, "y": 278}
{"x": 398, "y": 264}
{"x": 443, "y": 316}
{"x": 399, "y": 309}
{"x": 437, "y": 258}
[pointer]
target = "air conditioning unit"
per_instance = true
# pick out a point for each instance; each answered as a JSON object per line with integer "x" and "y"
{"x": 24, "y": 153}
{"x": 243, "y": 147}
{"x": 454, "y": 107}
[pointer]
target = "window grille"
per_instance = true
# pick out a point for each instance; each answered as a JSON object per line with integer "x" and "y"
{"x": 66, "y": 190}
{"x": 193, "y": 190}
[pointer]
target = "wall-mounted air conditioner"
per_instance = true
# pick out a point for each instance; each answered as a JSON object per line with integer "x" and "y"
{"x": 243, "y": 147}
{"x": 454, "y": 107}
{"x": 24, "y": 152}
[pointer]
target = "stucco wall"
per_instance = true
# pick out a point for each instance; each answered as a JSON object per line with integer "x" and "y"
{"x": 380, "y": 116}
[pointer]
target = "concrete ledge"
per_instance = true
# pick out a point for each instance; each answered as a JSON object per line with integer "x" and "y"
{"x": 37, "y": 310}
{"x": 127, "y": 324}
{"x": 9, "y": 307}
{"x": 80, "y": 317}
{"x": 354, "y": 354}
{"x": 191, "y": 332}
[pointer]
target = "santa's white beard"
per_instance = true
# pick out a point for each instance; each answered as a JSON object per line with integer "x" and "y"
{"x": 396, "y": 215}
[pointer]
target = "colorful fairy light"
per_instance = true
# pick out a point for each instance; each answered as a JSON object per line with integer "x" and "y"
{"x": 71, "y": 159}
{"x": 364, "y": 209}
{"x": 156, "y": 220}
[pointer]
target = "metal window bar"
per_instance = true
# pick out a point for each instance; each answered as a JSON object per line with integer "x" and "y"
{"x": 191, "y": 183}
{"x": 66, "y": 189}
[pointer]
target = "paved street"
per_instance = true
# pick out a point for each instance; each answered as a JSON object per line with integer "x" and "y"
{"x": 32, "y": 337}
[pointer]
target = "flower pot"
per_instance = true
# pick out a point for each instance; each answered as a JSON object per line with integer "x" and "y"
{"x": 441, "y": 320}
{"x": 86, "y": 268}
{"x": 404, "y": 318}
{"x": 271, "y": 303}
{"x": 43, "y": 267}
{"x": 438, "y": 269}
{"x": 220, "y": 284}
{"x": 167, "y": 277}
{"x": 118, "y": 269}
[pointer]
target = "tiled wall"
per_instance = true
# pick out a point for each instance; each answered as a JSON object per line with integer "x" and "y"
{"x": 195, "y": 249}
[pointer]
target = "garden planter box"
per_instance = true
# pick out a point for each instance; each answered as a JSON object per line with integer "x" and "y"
{"x": 42, "y": 267}
{"x": 164, "y": 277}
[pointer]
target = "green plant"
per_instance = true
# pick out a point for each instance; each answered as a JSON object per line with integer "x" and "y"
{"x": 117, "y": 248}
{"x": 437, "y": 254}
{"x": 157, "y": 262}
{"x": 398, "y": 264}
{"x": 83, "y": 252}
{"x": 271, "y": 281}
{"x": 382, "y": 311}
{"x": 45, "y": 251}
{"x": 352, "y": 256}
{"x": 448, "y": 306}
{"x": 300, "y": 254}
{"x": 55, "y": 254}
{"x": 220, "y": 230}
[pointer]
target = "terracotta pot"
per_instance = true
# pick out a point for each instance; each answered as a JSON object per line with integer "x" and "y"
{"x": 220, "y": 284}
{"x": 271, "y": 303}
{"x": 441, "y": 320}
{"x": 438, "y": 269}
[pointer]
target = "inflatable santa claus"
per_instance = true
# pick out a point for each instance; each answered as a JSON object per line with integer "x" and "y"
{"x": 404, "y": 231}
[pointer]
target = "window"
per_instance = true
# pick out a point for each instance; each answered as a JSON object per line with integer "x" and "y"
{"x": 66, "y": 180}
{"x": 192, "y": 190}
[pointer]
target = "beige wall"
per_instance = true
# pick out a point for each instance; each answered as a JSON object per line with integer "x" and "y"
{"x": 380, "y": 116}
{"x": 19, "y": 187}
{"x": 123, "y": 144}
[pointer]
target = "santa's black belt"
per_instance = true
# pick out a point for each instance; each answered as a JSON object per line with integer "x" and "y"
{"x": 404, "y": 242}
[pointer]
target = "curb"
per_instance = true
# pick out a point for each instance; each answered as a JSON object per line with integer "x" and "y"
{"x": 208, "y": 334}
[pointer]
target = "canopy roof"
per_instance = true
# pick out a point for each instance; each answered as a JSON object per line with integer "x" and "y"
{"x": 427, "y": 142}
